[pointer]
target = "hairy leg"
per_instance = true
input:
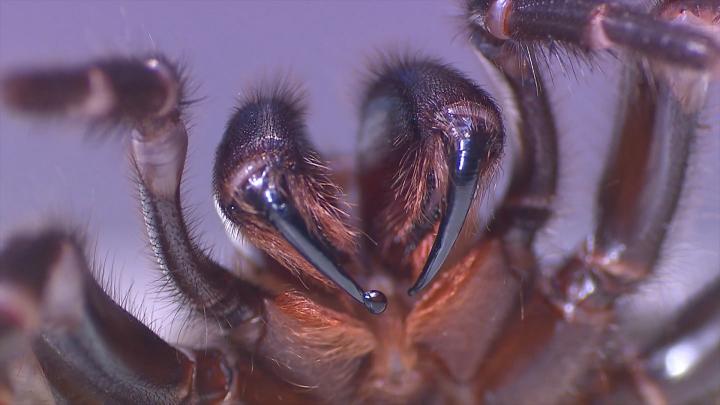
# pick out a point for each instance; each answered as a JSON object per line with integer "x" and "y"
{"x": 584, "y": 25}
{"x": 89, "y": 348}
{"x": 146, "y": 95}
{"x": 527, "y": 110}
{"x": 679, "y": 366}
{"x": 637, "y": 200}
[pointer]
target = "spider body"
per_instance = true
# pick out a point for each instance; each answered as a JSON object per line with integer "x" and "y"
{"x": 459, "y": 313}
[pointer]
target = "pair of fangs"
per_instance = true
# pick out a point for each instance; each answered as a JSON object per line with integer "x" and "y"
{"x": 464, "y": 171}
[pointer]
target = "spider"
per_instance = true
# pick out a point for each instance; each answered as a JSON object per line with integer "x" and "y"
{"x": 462, "y": 313}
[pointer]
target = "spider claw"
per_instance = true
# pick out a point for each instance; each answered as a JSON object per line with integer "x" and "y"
{"x": 464, "y": 170}
{"x": 427, "y": 150}
{"x": 262, "y": 192}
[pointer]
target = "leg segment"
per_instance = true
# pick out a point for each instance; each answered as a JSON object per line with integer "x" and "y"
{"x": 637, "y": 199}
{"x": 146, "y": 95}
{"x": 527, "y": 111}
{"x": 532, "y": 190}
{"x": 598, "y": 24}
{"x": 90, "y": 348}
{"x": 682, "y": 365}
{"x": 639, "y": 192}
{"x": 159, "y": 149}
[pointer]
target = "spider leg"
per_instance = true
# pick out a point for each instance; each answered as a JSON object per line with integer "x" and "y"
{"x": 637, "y": 199}
{"x": 527, "y": 110}
{"x": 89, "y": 347}
{"x": 639, "y": 192}
{"x": 528, "y": 116}
{"x": 146, "y": 95}
{"x": 598, "y": 24}
{"x": 680, "y": 365}
{"x": 680, "y": 376}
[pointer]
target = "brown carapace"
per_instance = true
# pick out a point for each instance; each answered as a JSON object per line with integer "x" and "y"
{"x": 462, "y": 314}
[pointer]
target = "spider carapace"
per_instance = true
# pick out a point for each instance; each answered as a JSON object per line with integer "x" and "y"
{"x": 461, "y": 311}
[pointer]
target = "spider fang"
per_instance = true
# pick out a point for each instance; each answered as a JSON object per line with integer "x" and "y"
{"x": 464, "y": 169}
{"x": 264, "y": 195}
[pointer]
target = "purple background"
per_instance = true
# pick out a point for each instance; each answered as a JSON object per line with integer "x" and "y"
{"x": 48, "y": 172}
